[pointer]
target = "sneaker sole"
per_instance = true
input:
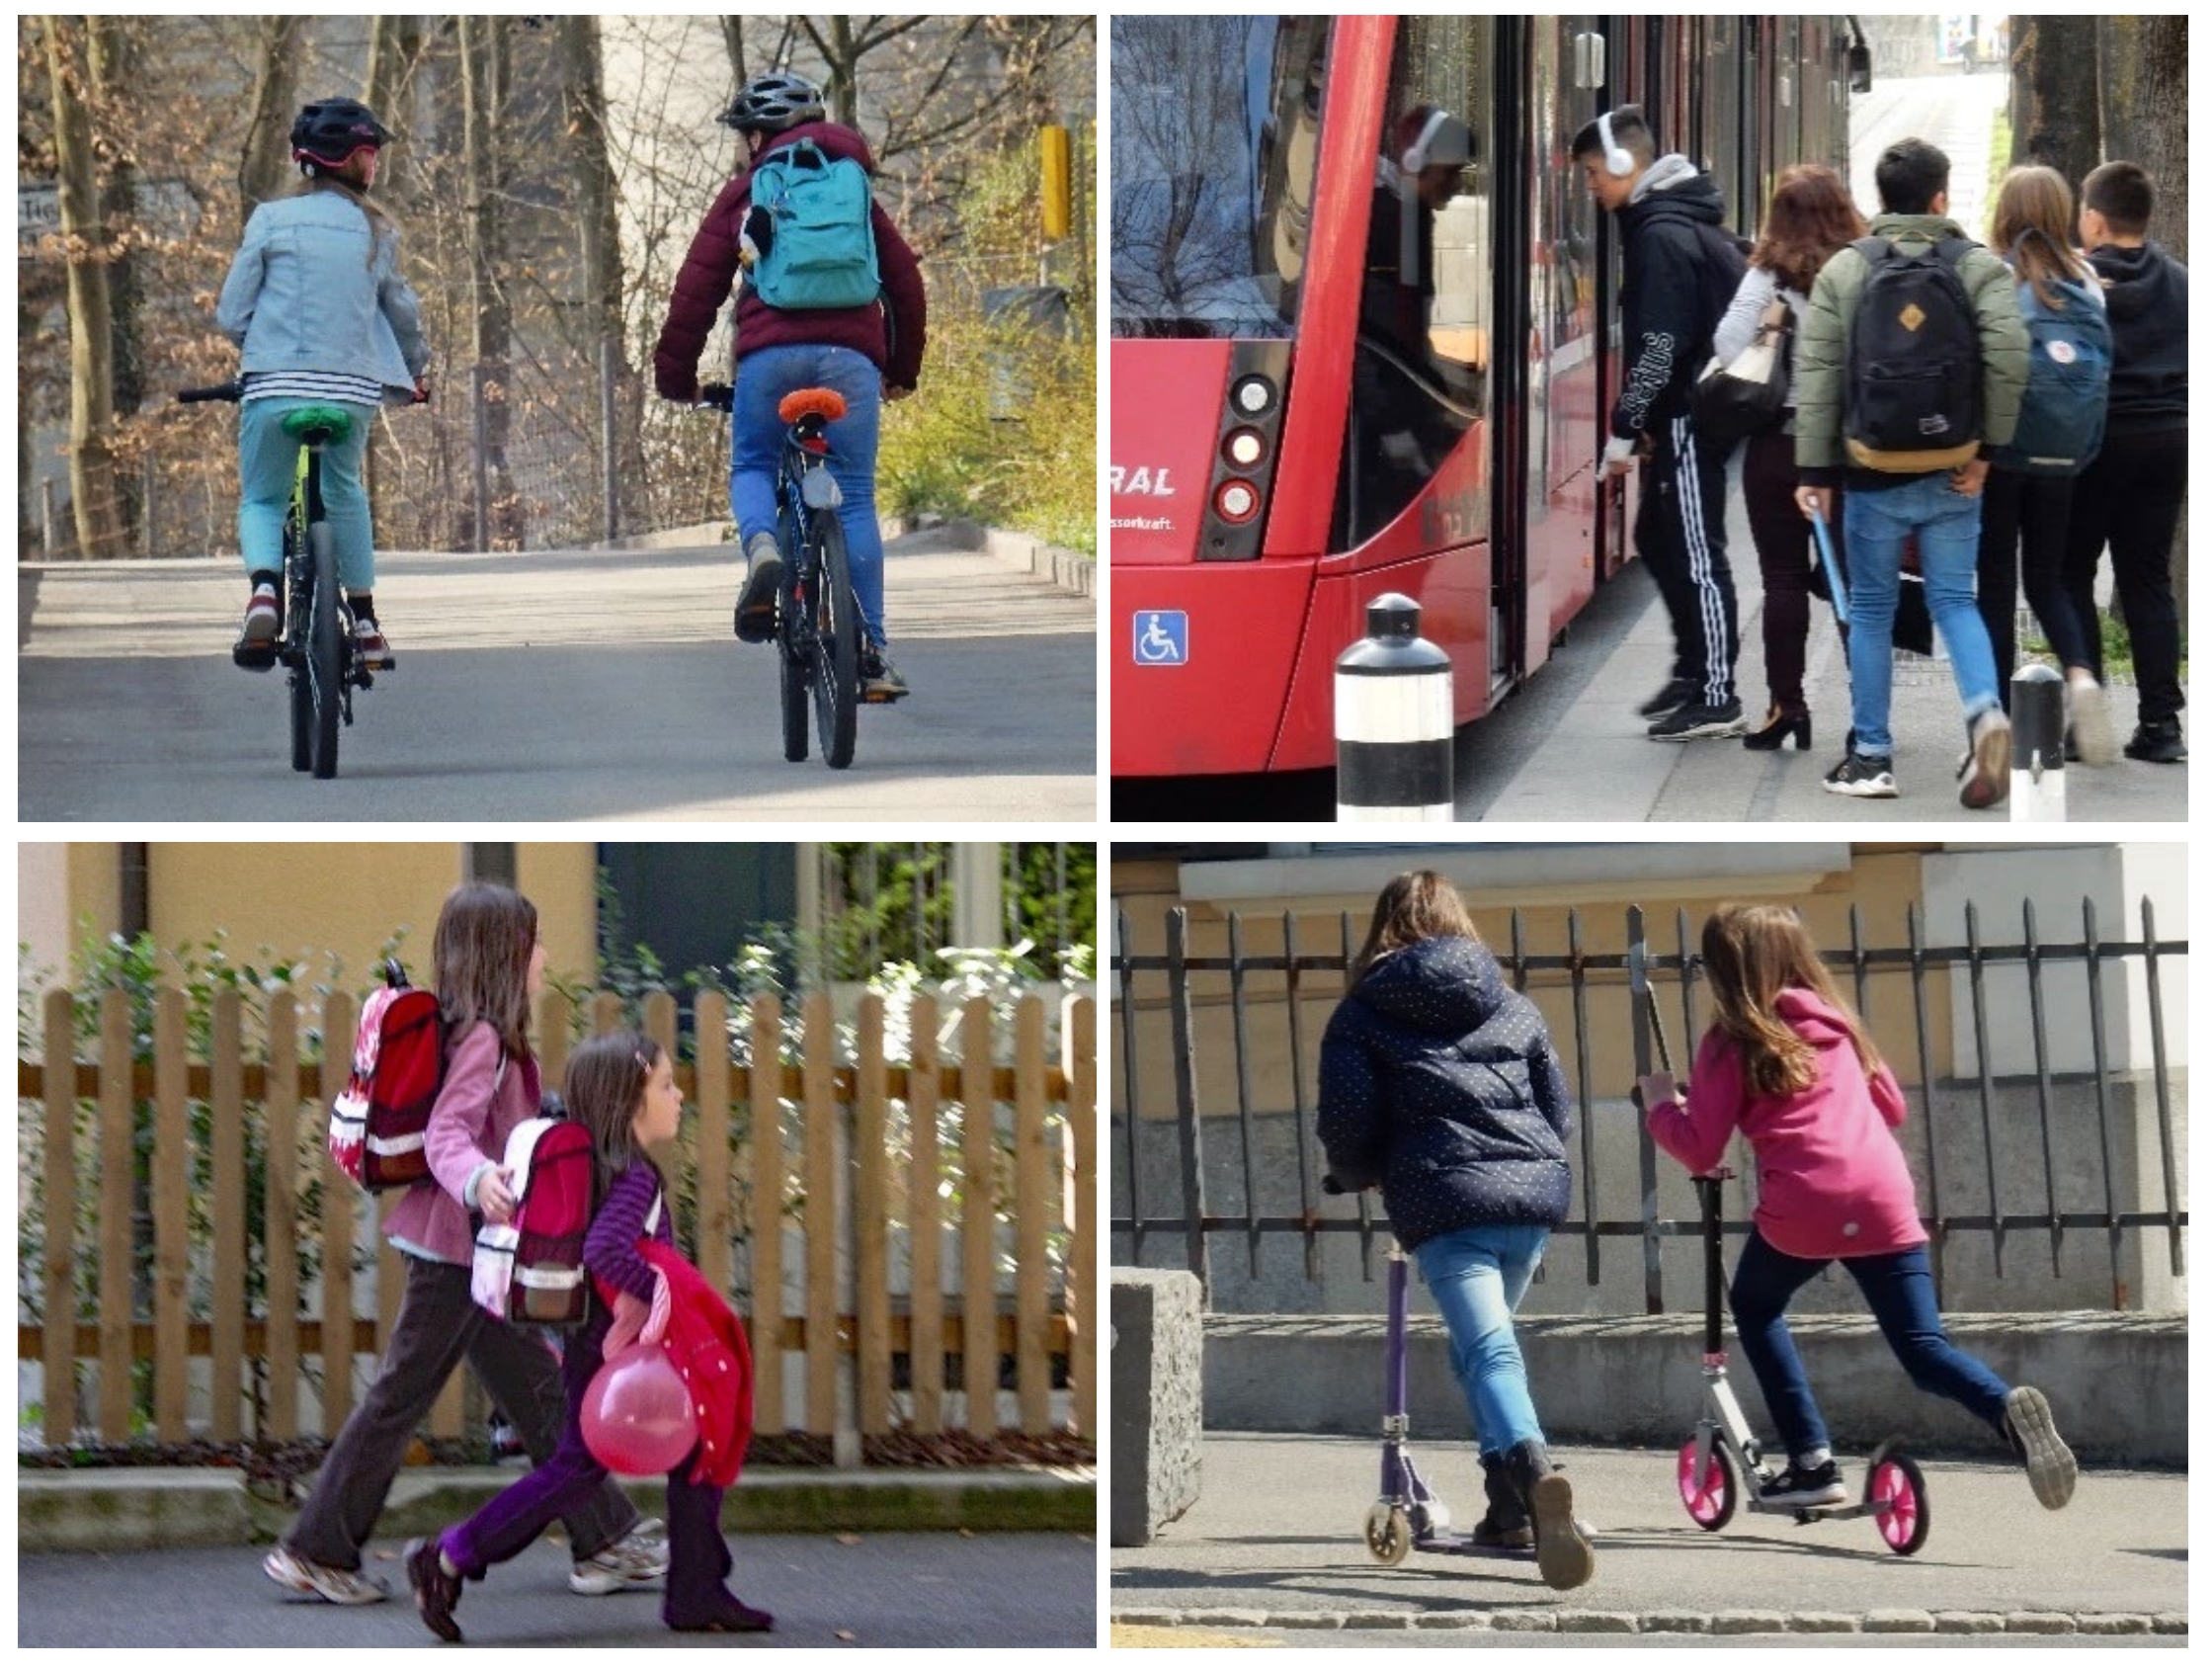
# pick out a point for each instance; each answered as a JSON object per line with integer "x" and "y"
{"x": 1863, "y": 791}
{"x": 1698, "y": 734}
{"x": 608, "y": 1583}
{"x": 1834, "y": 1498}
{"x": 298, "y": 1582}
{"x": 1563, "y": 1555}
{"x": 2093, "y": 742}
{"x": 2051, "y": 1471}
{"x": 1993, "y": 770}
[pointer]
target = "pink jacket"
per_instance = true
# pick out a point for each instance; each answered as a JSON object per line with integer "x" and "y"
{"x": 1833, "y": 1182}
{"x": 468, "y": 1133}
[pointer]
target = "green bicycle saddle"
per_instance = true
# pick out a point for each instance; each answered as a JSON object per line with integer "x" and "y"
{"x": 335, "y": 421}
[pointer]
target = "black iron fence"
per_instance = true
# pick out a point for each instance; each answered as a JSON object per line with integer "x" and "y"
{"x": 2078, "y": 1166}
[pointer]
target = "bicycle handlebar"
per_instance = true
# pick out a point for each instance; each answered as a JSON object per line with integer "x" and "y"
{"x": 715, "y": 394}
{"x": 232, "y": 390}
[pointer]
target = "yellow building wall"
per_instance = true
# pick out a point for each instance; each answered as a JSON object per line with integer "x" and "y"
{"x": 315, "y": 899}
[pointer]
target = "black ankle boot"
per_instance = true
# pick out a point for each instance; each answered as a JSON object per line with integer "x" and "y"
{"x": 1563, "y": 1553}
{"x": 1505, "y": 1523}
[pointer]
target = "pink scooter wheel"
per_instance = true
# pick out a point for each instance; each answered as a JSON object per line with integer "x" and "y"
{"x": 1711, "y": 1499}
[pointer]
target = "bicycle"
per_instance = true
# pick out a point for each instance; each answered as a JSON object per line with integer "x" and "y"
{"x": 817, "y": 614}
{"x": 317, "y": 642}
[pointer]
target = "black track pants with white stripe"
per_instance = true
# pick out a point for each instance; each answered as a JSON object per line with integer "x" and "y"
{"x": 1681, "y": 535}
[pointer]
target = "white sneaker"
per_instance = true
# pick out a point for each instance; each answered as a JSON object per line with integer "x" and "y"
{"x": 1986, "y": 777}
{"x": 2089, "y": 718}
{"x": 638, "y": 1559}
{"x": 305, "y": 1578}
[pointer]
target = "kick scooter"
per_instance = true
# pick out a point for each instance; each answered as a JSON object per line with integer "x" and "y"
{"x": 1723, "y": 1449}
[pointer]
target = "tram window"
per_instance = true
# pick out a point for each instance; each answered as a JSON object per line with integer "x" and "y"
{"x": 1216, "y": 133}
{"x": 1421, "y": 371}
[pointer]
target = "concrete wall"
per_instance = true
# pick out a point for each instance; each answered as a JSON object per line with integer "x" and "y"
{"x": 2118, "y": 1385}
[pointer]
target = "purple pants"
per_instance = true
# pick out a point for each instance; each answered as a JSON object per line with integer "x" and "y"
{"x": 699, "y": 1557}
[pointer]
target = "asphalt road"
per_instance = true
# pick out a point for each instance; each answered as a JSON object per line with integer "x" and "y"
{"x": 1274, "y": 1548}
{"x": 877, "y": 1591}
{"x": 551, "y": 684}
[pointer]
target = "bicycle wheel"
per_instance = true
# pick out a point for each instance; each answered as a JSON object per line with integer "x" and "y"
{"x": 836, "y": 619}
{"x": 794, "y": 649}
{"x": 326, "y": 651}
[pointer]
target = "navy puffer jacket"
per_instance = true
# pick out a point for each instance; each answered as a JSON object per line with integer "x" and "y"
{"x": 1440, "y": 1082}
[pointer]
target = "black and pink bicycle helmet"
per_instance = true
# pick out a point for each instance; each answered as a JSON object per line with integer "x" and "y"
{"x": 329, "y": 131}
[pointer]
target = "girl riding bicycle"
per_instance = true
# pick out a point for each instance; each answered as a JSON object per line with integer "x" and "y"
{"x": 316, "y": 304}
{"x": 867, "y": 354}
{"x": 1788, "y": 1063}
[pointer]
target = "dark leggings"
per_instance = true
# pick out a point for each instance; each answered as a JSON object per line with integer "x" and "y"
{"x": 2024, "y": 549}
{"x": 1784, "y": 539}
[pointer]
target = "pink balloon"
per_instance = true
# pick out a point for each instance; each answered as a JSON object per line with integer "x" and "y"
{"x": 637, "y": 1414}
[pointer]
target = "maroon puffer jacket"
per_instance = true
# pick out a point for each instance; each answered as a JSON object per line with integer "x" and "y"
{"x": 891, "y": 332}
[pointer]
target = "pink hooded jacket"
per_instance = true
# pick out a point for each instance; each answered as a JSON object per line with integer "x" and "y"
{"x": 478, "y": 1106}
{"x": 1833, "y": 1182}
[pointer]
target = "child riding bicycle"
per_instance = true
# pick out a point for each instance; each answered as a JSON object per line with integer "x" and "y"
{"x": 1788, "y": 1063}
{"x": 868, "y": 352}
{"x": 316, "y": 304}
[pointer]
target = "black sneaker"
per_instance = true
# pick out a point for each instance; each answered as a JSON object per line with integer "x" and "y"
{"x": 2158, "y": 742}
{"x": 1678, "y": 692}
{"x": 1698, "y": 719}
{"x": 1868, "y": 777}
{"x": 436, "y": 1593}
{"x": 1806, "y": 1487}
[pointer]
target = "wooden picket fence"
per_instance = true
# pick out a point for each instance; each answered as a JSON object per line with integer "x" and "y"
{"x": 836, "y": 1161}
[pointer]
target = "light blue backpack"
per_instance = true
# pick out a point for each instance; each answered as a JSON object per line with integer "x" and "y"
{"x": 2068, "y": 376}
{"x": 821, "y": 253}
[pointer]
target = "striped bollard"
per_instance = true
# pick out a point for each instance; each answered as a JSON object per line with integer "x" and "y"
{"x": 2038, "y": 746}
{"x": 1393, "y": 721}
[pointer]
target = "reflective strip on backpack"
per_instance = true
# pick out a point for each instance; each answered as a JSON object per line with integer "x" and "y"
{"x": 538, "y": 1276}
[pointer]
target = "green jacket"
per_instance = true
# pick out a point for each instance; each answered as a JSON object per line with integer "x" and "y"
{"x": 1824, "y": 348}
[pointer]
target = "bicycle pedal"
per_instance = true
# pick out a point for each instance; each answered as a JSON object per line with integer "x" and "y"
{"x": 255, "y": 658}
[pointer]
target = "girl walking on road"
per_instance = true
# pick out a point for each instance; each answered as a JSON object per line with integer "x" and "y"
{"x": 489, "y": 965}
{"x": 1789, "y": 1064}
{"x": 622, "y": 1087}
{"x": 1440, "y": 1084}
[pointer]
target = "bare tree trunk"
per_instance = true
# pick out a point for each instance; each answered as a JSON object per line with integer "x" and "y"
{"x": 2056, "y": 123}
{"x": 395, "y": 47}
{"x": 267, "y": 160}
{"x": 111, "y": 61}
{"x": 92, "y": 471}
{"x": 484, "y": 43}
{"x": 584, "y": 106}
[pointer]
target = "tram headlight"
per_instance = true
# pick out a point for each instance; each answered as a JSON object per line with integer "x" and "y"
{"x": 1253, "y": 397}
{"x": 1245, "y": 448}
{"x": 1236, "y": 501}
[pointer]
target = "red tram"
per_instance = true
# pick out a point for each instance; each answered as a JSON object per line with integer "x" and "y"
{"x": 1365, "y": 339}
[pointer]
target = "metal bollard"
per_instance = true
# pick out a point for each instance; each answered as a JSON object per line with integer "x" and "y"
{"x": 2038, "y": 746}
{"x": 1393, "y": 721}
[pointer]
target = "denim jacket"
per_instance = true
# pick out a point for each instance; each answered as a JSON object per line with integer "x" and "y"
{"x": 305, "y": 293}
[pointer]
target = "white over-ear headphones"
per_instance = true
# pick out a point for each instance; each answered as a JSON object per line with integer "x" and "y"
{"x": 1417, "y": 154}
{"x": 1618, "y": 163}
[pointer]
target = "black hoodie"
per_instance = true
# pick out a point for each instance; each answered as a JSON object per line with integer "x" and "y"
{"x": 2147, "y": 300}
{"x": 1679, "y": 270}
{"x": 1440, "y": 1082}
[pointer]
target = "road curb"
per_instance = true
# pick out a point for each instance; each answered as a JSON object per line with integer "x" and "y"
{"x": 1579, "y": 1622}
{"x": 119, "y": 1509}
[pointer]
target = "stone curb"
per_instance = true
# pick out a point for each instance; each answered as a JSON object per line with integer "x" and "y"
{"x": 1069, "y": 570}
{"x": 118, "y": 1509}
{"x": 1889, "y": 1621}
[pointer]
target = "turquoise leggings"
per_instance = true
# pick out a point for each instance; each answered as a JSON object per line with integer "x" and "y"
{"x": 268, "y": 460}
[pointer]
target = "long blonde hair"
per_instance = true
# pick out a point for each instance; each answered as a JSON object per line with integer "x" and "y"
{"x": 381, "y": 226}
{"x": 1753, "y": 952}
{"x": 1417, "y": 905}
{"x": 2035, "y": 210}
{"x": 486, "y": 934}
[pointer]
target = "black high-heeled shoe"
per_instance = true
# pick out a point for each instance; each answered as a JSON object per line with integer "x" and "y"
{"x": 1797, "y": 727}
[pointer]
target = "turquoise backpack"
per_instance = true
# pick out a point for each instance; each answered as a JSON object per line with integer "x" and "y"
{"x": 822, "y": 251}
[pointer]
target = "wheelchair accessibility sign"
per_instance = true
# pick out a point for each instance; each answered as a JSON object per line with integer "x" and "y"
{"x": 1161, "y": 638}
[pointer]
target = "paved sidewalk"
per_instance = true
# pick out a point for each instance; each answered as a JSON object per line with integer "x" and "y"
{"x": 1274, "y": 1543}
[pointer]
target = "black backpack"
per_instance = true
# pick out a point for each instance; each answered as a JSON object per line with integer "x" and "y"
{"x": 1913, "y": 387}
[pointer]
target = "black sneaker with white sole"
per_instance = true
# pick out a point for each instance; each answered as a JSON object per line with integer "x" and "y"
{"x": 1868, "y": 777}
{"x": 1699, "y": 719}
{"x": 1806, "y": 1487}
{"x": 1676, "y": 692}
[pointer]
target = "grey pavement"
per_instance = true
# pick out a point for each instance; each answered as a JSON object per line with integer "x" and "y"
{"x": 1274, "y": 1544}
{"x": 896, "y": 1590}
{"x": 554, "y": 685}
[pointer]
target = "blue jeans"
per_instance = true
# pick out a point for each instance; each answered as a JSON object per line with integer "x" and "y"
{"x": 1901, "y": 1291}
{"x": 1950, "y": 524}
{"x": 267, "y": 461}
{"x": 764, "y": 376}
{"x": 1479, "y": 1276}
